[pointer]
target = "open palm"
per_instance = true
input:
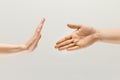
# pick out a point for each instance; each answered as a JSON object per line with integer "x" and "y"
{"x": 82, "y": 37}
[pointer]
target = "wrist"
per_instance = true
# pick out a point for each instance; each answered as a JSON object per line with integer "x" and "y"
{"x": 23, "y": 47}
{"x": 97, "y": 35}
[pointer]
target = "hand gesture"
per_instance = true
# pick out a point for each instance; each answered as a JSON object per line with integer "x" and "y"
{"x": 33, "y": 41}
{"x": 82, "y": 37}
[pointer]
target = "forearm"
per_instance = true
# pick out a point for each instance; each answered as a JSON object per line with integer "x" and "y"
{"x": 109, "y": 35}
{"x": 8, "y": 48}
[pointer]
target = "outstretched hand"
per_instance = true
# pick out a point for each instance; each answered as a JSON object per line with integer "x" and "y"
{"x": 83, "y": 36}
{"x": 32, "y": 43}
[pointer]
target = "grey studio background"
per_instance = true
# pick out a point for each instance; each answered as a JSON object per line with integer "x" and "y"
{"x": 19, "y": 19}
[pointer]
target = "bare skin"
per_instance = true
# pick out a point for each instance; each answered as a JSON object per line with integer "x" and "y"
{"x": 84, "y": 36}
{"x": 29, "y": 46}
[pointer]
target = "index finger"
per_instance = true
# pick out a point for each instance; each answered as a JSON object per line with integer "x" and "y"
{"x": 39, "y": 28}
{"x": 64, "y": 39}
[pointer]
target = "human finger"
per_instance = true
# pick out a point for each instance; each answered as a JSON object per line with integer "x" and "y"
{"x": 67, "y": 46}
{"x": 73, "y": 26}
{"x": 64, "y": 39}
{"x": 73, "y": 48}
{"x": 64, "y": 43}
{"x": 40, "y": 26}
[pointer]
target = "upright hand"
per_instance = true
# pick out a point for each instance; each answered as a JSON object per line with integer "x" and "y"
{"x": 33, "y": 41}
{"x": 30, "y": 45}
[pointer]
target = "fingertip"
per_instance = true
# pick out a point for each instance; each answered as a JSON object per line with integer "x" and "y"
{"x": 42, "y": 20}
{"x": 55, "y": 46}
{"x": 73, "y": 26}
{"x": 69, "y": 25}
{"x": 58, "y": 42}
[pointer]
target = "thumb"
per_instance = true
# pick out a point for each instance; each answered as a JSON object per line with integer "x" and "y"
{"x": 73, "y": 26}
